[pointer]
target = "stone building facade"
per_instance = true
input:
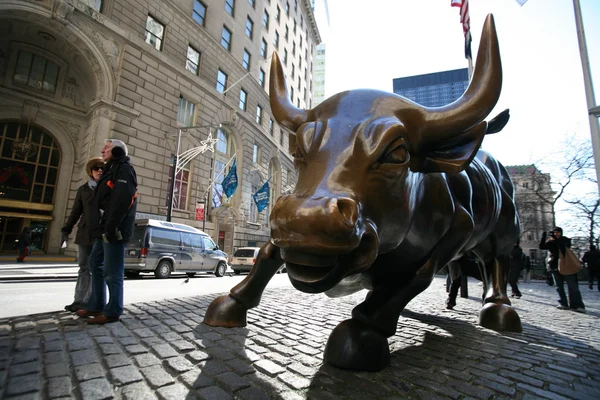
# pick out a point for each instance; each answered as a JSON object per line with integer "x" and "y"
{"x": 74, "y": 73}
{"x": 534, "y": 198}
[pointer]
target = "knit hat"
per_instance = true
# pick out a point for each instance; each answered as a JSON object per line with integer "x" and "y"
{"x": 557, "y": 229}
{"x": 94, "y": 162}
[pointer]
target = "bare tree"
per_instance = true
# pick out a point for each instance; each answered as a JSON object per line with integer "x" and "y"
{"x": 588, "y": 211}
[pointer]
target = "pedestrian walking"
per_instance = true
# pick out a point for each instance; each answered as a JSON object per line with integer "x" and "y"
{"x": 23, "y": 243}
{"x": 83, "y": 239}
{"x": 527, "y": 266}
{"x": 592, "y": 259}
{"x": 517, "y": 263}
{"x": 111, "y": 223}
{"x": 556, "y": 243}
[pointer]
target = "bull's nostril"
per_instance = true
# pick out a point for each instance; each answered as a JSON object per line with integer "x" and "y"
{"x": 349, "y": 210}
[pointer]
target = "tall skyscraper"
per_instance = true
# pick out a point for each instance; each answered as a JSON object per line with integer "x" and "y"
{"x": 435, "y": 89}
{"x": 321, "y": 12}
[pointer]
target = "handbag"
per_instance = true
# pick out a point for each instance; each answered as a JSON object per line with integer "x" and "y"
{"x": 568, "y": 263}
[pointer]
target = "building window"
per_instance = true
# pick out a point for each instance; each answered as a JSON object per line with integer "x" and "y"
{"x": 285, "y": 57}
{"x": 249, "y": 27}
{"x": 293, "y": 48}
{"x": 36, "y": 71}
{"x": 252, "y": 3}
{"x": 255, "y": 154}
{"x": 300, "y": 43}
{"x": 243, "y": 98}
{"x": 253, "y": 209}
{"x": 287, "y": 8}
{"x": 199, "y": 12}
{"x": 276, "y": 41}
{"x": 263, "y": 48}
{"x": 301, "y": 21}
{"x": 266, "y": 20}
{"x": 185, "y": 112}
{"x": 292, "y": 94}
{"x": 96, "y": 5}
{"x": 226, "y": 38}
{"x": 259, "y": 114}
{"x": 278, "y": 14}
{"x": 293, "y": 71}
{"x": 222, "y": 141}
{"x": 221, "y": 81}
{"x": 294, "y": 27}
{"x": 225, "y": 150}
{"x": 281, "y": 137}
{"x": 271, "y": 126}
{"x": 246, "y": 60}
{"x": 154, "y": 33}
{"x": 295, "y": 5}
{"x": 261, "y": 78}
{"x": 180, "y": 194}
{"x": 229, "y": 6}
{"x": 300, "y": 63}
{"x": 287, "y": 33}
{"x": 192, "y": 63}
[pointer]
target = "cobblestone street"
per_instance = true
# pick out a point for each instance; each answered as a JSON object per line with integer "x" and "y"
{"x": 161, "y": 350}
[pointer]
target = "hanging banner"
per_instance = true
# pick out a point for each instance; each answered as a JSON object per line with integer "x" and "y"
{"x": 261, "y": 197}
{"x": 199, "y": 211}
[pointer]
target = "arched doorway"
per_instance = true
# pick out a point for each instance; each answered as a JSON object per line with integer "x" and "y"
{"x": 29, "y": 163}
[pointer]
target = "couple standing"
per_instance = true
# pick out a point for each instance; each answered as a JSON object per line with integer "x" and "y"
{"x": 105, "y": 206}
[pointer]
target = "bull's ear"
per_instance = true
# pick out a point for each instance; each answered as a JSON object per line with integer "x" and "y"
{"x": 453, "y": 156}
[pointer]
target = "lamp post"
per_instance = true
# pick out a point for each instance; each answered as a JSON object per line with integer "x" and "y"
{"x": 202, "y": 149}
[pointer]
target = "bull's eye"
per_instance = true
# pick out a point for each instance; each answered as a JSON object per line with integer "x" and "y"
{"x": 397, "y": 153}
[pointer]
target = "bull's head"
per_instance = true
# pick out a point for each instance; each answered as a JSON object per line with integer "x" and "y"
{"x": 361, "y": 156}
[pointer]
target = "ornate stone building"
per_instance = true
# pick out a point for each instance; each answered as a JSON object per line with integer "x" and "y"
{"x": 534, "y": 198}
{"x": 74, "y": 73}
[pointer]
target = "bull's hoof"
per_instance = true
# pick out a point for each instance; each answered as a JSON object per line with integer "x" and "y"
{"x": 225, "y": 311}
{"x": 500, "y": 317}
{"x": 353, "y": 345}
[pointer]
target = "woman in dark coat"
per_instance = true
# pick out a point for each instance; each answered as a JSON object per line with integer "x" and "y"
{"x": 23, "y": 244}
{"x": 517, "y": 262}
{"x": 83, "y": 240}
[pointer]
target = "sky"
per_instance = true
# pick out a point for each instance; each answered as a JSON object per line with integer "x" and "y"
{"x": 371, "y": 43}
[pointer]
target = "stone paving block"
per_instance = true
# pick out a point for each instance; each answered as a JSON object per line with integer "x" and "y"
{"x": 23, "y": 384}
{"x": 146, "y": 360}
{"x": 301, "y": 369}
{"x": 294, "y": 381}
{"x": 178, "y": 364}
{"x": 55, "y": 345}
{"x": 59, "y": 387}
{"x": 117, "y": 360}
{"x": 252, "y": 393}
{"x": 220, "y": 353}
{"x": 25, "y": 368}
{"x": 128, "y": 341}
{"x": 96, "y": 389}
{"x": 28, "y": 343}
{"x": 55, "y": 357}
{"x": 125, "y": 375}
{"x": 213, "y": 393}
{"x": 164, "y": 351}
{"x": 137, "y": 391}
{"x": 182, "y": 346}
{"x": 232, "y": 381}
{"x": 156, "y": 376}
{"x": 213, "y": 367}
{"x": 278, "y": 358}
{"x": 196, "y": 379}
{"x": 83, "y": 357}
{"x": 57, "y": 369}
{"x": 25, "y": 356}
{"x": 197, "y": 356}
{"x": 136, "y": 349}
{"x": 241, "y": 367}
{"x": 110, "y": 348}
{"x": 89, "y": 371}
{"x": 80, "y": 344}
{"x": 175, "y": 392}
{"x": 268, "y": 367}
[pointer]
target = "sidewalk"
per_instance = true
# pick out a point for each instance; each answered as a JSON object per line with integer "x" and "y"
{"x": 36, "y": 257}
{"x": 161, "y": 350}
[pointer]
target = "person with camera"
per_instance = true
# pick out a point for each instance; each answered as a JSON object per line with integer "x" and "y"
{"x": 556, "y": 244}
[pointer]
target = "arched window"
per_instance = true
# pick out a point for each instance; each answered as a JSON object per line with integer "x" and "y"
{"x": 225, "y": 149}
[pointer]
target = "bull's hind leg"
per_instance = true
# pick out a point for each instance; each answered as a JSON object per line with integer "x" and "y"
{"x": 497, "y": 313}
{"x": 230, "y": 310}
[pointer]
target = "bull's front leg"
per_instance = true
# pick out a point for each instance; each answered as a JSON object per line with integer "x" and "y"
{"x": 231, "y": 310}
{"x": 497, "y": 313}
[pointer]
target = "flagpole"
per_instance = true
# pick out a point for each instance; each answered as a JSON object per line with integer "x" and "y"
{"x": 211, "y": 181}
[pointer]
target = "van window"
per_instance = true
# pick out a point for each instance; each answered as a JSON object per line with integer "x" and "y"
{"x": 137, "y": 240}
{"x": 186, "y": 239}
{"x": 197, "y": 241}
{"x": 244, "y": 253}
{"x": 162, "y": 236}
{"x": 208, "y": 243}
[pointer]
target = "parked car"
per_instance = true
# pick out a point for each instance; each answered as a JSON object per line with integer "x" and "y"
{"x": 166, "y": 247}
{"x": 244, "y": 258}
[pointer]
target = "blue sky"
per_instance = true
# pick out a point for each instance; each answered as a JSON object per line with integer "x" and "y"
{"x": 371, "y": 43}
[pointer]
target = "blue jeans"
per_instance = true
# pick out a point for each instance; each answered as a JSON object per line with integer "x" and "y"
{"x": 107, "y": 265}
{"x": 575, "y": 300}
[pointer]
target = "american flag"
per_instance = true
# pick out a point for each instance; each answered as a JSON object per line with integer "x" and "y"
{"x": 466, "y": 23}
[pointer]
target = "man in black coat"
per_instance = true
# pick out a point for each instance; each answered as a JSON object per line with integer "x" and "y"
{"x": 592, "y": 259}
{"x": 111, "y": 223}
{"x": 517, "y": 263}
{"x": 83, "y": 239}
{"x": 556, "y": 243}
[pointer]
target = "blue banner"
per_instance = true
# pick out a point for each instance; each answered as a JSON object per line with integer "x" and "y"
{"x": 261, "y": 197}
{"x": 230, "y": 182}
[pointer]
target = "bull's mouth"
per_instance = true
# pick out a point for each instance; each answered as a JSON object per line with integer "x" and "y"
{"x": 315, "y": 273}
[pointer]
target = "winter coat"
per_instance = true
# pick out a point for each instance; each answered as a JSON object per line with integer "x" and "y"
{"x": 115, "y": 201}
{"x": 80, "y": 211}
{"x": 517, "y": 263}
{"x": 24, "y": 239}
{"x": 554, "y": 246}
{"x": 592, "y": 258}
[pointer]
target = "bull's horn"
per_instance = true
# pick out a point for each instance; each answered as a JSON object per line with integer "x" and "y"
{"x": 283, "y": 110}
{"x": 481, "y": 95}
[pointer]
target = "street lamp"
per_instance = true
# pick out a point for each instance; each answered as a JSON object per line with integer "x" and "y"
{"x": 188, "y": 155}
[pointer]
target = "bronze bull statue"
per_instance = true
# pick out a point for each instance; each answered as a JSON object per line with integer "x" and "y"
{"x": 388, "y": 193}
